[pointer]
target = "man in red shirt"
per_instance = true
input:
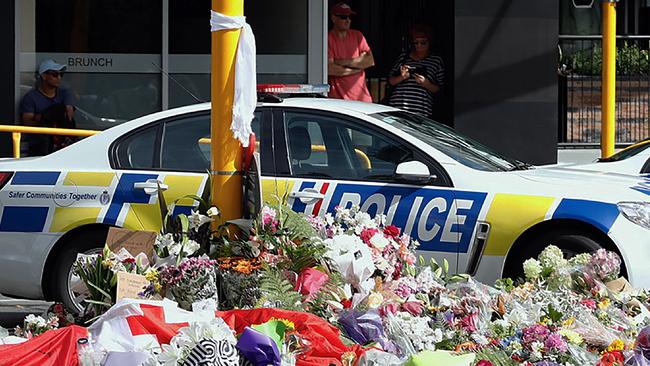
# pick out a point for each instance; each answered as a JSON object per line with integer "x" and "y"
{"x": 348, "y": 55}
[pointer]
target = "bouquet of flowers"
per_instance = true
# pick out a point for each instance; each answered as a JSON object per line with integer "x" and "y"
{"x": 192, "y": 280}
{"x": 99, "y": 274}
{"x": 34, "y": 325}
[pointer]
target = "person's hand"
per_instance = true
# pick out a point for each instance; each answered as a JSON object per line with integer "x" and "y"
{"x": 420, "y": 79}
{"x": 404, "y": 72}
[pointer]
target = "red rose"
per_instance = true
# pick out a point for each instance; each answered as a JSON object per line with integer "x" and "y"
{"x": 347, "y": 303}
{"x": 391, "y": 230}
{"x": 484, "y": 363}
{"x": 367, "y": 234}
{"x": 128, "y": 260}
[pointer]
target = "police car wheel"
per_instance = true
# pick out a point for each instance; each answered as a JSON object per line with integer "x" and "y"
{"x": 570, "y": 244}
{"x": 67, "y": 287}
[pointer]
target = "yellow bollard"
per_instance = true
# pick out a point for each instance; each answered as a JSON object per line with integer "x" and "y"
{"x": 15, "y": 136}
{"x": 226, "y": 157}
{"x": 608, "y": 104}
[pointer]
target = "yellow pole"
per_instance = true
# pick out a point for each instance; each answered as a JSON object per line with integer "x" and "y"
{"x": 608, "y": 134}
{"x": 16, "y": 139}
{"x": 226, "y": 151}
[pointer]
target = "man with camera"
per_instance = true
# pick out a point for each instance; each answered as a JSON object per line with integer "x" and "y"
{"x": 417, "y": 76}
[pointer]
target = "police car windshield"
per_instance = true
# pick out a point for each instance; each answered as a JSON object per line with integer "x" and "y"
{"x": 462, "y": 149}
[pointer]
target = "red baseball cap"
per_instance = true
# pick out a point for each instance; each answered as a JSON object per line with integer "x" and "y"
{"x": 342, "y": 9}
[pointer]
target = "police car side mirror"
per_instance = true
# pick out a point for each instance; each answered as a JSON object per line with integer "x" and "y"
{"x": 413, "y": 171}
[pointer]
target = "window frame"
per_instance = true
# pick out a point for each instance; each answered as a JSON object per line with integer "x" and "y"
{"x": 283, "y": 163}
{"x": 267, "y": 157}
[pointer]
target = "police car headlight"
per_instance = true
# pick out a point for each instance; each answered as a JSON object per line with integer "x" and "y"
{"x": 637, "y": 212}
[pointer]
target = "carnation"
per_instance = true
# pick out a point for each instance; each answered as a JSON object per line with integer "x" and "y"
{"x": 555, "y": 342}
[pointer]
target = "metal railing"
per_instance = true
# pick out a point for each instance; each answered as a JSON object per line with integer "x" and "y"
{"x": 17, "y": 131}
{"x": 579, "y": 89}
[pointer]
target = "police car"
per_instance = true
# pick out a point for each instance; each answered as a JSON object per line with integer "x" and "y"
{"x": 484, "y": 212}
{"x": 633, "y": 160}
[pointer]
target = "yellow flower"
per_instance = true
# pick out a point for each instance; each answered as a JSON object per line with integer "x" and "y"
{"x": 603, "y": 304}
{"x": 545, "y": 321}
{"x": 107, "y": 263}
{"x": 616, "y": 345}
{"x": 151, "y": 275}
{"x": 375, "y": 300}
{"x": 347, "y": 359}
{"x": 288, "y": 323}
{"x": 157, "y": 287}
{"x": 571, "y": 336}
{"x": 568, "y": 322}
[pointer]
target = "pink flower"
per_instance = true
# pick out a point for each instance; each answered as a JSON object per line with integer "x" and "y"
{"x": 390, "y": 308}
{"x": 484, "y": 363}
{"x": 310, "y": 281}
{"x": 589, "y": 303}
{"x": 555, "y": 342}
{"x": 535, "y": 333}
{"x": 468, "y": 322}
{"x": 413, "y": 307}
{"x": 268, "y": 215}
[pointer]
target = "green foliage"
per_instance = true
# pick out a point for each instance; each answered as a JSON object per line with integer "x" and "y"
{"x": 504, "y": 284}
{"x": 278, "y": 292}
{"x": 301, "y": 229}
{"x": 630, "y": 60}
{"x": 441, "y": 271}
{"x": 553, "y": 314}
{"x": 318, "y": 305}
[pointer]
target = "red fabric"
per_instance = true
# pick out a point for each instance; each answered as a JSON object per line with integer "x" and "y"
{"x": 353, "y": 86}
{"x": 52, "y": 348}
{"x": 153, "y": 322}
{"x": 326, "y": 346}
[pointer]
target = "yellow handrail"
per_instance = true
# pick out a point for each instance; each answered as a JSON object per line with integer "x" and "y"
{"x": 17, "y": 131}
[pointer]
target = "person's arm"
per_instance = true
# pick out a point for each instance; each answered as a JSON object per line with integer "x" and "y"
{"x": 30, "y": 119}
{"x": 69, "y": 112}
{"x": 426, "y": 84}
{"x": 362, "y": 62}
{"x": 403, "y": 75}
{"x": 335, "y": 69}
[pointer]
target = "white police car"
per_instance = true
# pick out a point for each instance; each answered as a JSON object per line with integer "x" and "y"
{"x": 483, "y": 212}
{"x": 632, "y": 160}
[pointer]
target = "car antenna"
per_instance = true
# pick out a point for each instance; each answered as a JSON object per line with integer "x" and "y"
{"x": 178, "y": 83}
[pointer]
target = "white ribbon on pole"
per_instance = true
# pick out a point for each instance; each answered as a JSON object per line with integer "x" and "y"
{"x": 245, "y": 74}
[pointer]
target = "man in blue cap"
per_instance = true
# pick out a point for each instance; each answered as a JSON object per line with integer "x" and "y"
{"x": 48, "y": 105}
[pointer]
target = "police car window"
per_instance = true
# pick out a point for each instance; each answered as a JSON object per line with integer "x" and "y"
{"x": 462, "y": 149}
{"x": 136, "y": 150}
{"x": 628, "y": 152}
{"x": 186, "y": 143}
{"x": 322, "y": 146}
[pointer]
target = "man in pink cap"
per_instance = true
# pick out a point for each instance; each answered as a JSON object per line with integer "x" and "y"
{"x": 348, "y": 55}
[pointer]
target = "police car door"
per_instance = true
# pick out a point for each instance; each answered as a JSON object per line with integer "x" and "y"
{"x": 173, "y": 153}
{"x": 334, "y": 160}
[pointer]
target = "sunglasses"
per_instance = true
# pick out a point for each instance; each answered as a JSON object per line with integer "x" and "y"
{"x": 420, "y": 43}
{"x": 344, "y": 17}
{"x": 55, "y": 74}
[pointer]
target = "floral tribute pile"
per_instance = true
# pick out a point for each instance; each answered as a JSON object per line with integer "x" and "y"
{"x": 347, "y": 289}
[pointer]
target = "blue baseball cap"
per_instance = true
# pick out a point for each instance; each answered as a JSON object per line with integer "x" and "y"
{"x": 48, "y": 65}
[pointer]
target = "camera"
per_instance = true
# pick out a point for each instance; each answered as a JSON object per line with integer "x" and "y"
{"x": 420, "y": 70}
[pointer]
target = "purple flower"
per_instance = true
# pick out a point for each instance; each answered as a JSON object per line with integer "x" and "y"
{"x": 555, "y": 342}
{"x": 537, "y": 332}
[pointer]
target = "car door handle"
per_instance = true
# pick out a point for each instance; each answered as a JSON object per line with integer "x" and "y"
{"x": 151, "y": 186}
{"x": 307, "y": 196}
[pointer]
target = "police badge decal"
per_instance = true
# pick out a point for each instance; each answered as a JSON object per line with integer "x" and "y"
{"x": 104, "y": 198}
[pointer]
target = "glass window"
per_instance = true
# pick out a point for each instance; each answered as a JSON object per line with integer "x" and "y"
{"x": 185, "y": 144}
{"x": 136, "y": 151}
{"x": 321, "y": 146}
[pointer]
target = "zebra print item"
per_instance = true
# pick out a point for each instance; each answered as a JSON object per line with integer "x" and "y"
{"x": 209, "y": 352}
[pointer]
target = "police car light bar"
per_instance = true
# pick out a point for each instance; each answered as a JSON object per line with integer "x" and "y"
{"x": 293, "y": 88}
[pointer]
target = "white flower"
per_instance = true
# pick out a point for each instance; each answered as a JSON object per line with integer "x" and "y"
{"x": 536, "y": 350}
{"x": 191, "y": 247}
{"x": 552, "y": 257}
{"x": 196, "y": 220}
{"x": 379, "y": 241}
{"x": 255, "y": 248}
{"x": 164, "y": 241}
{"x": 213, "y": 212}
{"x": 375, "y": 300}
{"x": 532, "y": 269}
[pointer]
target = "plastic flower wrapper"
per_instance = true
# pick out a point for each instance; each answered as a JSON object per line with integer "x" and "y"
{"x": 352, "y": 258}
{"x": 412, "y": 334}
{"x": 201, "y": 341}
{"x": 593, "y": 331}
{"x": 258, "y": 348}
{"x": 35, "y": 325}
{"x": 375, "y": 357}
{"x": 364, "y": 327}
{"x": 310, "y": 281}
